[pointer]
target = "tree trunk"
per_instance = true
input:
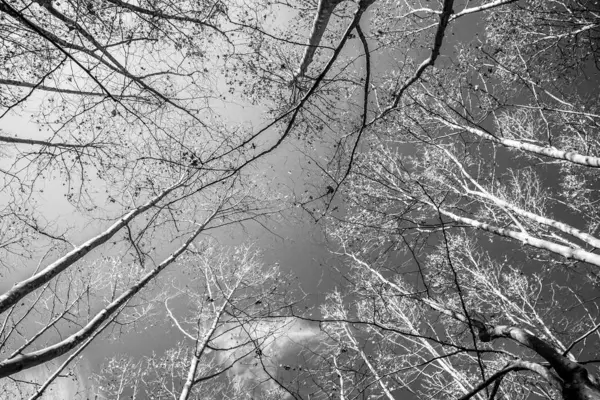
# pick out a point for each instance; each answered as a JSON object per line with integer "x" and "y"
{"x": 575, "y": 381}
{"x": 580, "y": 386}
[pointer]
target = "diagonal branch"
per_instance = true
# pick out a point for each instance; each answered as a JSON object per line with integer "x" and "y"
{"x": 34, "y": 142}
{"x": 7, "y": 8}
{"x": 30, "y": 360}
{"x": 552, "y": 152}
{"x": 517, "y": 365}
{"x": 21, "y": 289}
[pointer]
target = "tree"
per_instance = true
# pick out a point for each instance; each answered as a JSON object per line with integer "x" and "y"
{"x": 229, "y": 297}
{"x": 138, "y": 156}
{"x": 463, "y": 225}
{"x": 459, "y": 180}
{"x": 432, "y": 336}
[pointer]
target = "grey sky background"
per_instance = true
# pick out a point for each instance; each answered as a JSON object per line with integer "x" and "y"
{"x": 294, "y": 241}
{"x": 297, "y": 246}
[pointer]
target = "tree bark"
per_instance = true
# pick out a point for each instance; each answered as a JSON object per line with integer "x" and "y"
{"x": 21, "y": 289}
{"x": 576, "y": 383}
{"x": 30, "y": 360}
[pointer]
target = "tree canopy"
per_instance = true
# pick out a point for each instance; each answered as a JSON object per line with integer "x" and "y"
{"x": 447, "y": 151}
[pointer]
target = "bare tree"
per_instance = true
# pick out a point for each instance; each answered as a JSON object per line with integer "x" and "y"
{"x": 228, "y": 295}
{"x": 122, "y": 94}
{"x": 467, "y": 214}
{"x": 441, "y": 335}
{"x": 458, "y": 177}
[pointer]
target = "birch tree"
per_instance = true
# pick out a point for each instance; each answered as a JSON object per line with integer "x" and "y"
{"x": 121, "y": 96}
{"x": 467, "y": 214}
{"x": 431, "y": 324}
{"x": 120, "y": 300}
{"x": 228, "y": 299}
{"x": 437, "y": 156}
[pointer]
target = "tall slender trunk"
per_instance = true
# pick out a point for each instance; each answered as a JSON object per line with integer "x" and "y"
{"x": 23, "y": 288}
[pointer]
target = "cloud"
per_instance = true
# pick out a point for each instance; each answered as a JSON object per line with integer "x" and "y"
{"x": 278, "y": 341}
